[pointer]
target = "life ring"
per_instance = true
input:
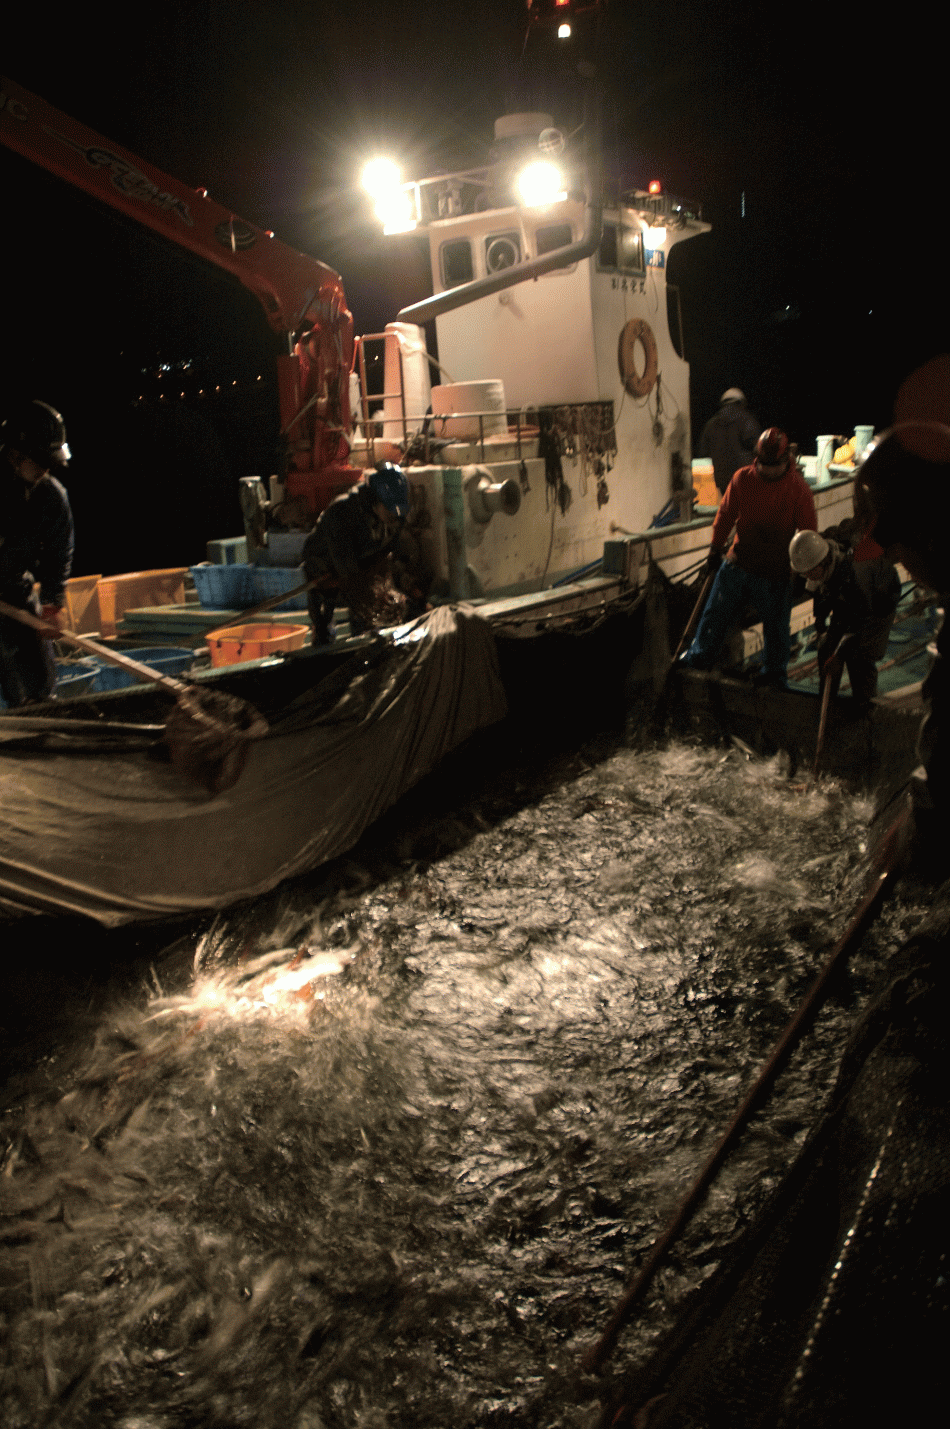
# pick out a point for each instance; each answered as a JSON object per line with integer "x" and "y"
{"x": 637, "y": 384}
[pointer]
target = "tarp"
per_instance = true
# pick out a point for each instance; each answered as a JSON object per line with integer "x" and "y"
{"x": 92, "y": 823}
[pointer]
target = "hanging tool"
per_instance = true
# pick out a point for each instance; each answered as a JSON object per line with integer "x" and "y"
{"x": 208, "y": 732}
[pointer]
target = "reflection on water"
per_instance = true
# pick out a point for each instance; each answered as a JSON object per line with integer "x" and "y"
{"x": 392, "y": 1152}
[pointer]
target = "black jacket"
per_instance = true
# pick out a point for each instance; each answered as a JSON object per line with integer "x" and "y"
{"x": 348, "y": 537}
{"x": 36, "y": 537}
{"x": 855, "y": 597}
{"x": 729, "y": 438}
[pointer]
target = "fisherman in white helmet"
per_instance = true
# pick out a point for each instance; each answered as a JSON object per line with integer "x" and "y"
{"x": 854, "y": 606}
{"x": 729, "y": 437}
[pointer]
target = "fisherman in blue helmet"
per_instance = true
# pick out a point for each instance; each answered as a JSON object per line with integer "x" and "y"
{"x": 36, "y": 545}
{"x": 349, "y": 548}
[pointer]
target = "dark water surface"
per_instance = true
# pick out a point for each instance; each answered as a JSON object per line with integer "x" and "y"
{"x": 384, "y": 1150}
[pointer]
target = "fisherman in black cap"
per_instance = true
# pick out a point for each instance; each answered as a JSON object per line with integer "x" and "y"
{"x": 36, "y": 545}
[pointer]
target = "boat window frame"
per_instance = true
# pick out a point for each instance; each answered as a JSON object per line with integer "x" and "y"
{"x": 619, "y": 227}
{"x": 539, "y": 251}
{"x": 458, "y": 243}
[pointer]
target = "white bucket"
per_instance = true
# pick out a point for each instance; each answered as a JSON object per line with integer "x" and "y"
{"x": 458, "y": 402}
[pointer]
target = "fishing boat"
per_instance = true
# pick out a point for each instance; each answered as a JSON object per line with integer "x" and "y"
{"x": 550, "y": 477}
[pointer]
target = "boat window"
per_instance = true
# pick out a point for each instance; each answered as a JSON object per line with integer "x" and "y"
{"x": 502, "y": 250}
{"x": 456, "y": 262}
{"x": 557, "y": 235}
{"x": 621, "y": 249}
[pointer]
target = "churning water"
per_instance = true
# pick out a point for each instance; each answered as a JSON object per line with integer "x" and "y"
{"x": 387, "y": 1156}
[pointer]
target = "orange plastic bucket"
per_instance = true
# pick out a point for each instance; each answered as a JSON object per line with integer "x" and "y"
{"x": 253, "y": 642}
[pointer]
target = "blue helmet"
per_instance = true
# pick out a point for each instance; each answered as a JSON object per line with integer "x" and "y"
{"x": 389, "y": 486}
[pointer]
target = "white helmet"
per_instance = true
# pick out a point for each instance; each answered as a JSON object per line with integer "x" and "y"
{"x": 806, "y": 551}
{"x": 732, "y": 394}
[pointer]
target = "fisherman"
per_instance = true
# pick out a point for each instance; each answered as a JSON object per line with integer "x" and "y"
{"x": 765, "y": 503}
{"x": 902, "y": 499}
{"x": 36, "y": 545}
{"x": 729, "y": 437}
{"x": 854, "y": 603}
{"x": 349, "y": 550}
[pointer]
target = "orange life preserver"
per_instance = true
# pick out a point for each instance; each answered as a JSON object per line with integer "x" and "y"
{"x": 637, "y": 384}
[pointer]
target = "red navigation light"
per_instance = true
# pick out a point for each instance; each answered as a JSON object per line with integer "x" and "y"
{"x": 655, "y": 186}
{"x": 556, "y": 12}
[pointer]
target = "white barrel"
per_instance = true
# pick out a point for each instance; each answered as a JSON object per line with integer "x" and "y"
{"x": 862, "y": 436}
{"x": 458, "y": 403}
{"x": 826, "y": 451}
{"x": 415, "y": 385}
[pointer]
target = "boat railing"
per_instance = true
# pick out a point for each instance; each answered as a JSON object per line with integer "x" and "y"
{"x": 522, "y": 423}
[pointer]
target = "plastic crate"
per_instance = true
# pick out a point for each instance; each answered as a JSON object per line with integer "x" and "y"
{"x": 136, "y": 590}
{"x": 273, "y": 580}
{"x": 230, "y": 552}
{"x": 75, "y": 677}
{"x": 224, "y": 587}
{"x": 164, "y": 660}
{"x": 240, "y": 643}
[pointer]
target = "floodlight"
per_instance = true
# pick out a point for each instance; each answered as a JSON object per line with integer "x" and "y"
{"x": 541, "y": 183}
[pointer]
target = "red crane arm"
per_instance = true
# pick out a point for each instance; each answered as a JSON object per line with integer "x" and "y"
{"x": 295, "y": 291}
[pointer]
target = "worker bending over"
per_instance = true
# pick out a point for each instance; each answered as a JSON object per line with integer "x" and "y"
{"x": 854, "y": 604}
{"x": 348, "y": 550}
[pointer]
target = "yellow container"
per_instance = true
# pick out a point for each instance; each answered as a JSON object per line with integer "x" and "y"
{"x": 704, "y": 484}
{"x": 252, "y": 642}
{"x": 82, "y": 604}
{"x": 136, "y": 590}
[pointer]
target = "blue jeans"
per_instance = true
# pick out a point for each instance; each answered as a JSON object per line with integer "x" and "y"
{"x": 733, "y": 591}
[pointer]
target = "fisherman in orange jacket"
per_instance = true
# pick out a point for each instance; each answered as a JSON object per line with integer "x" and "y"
{"x": 764, "y": 505}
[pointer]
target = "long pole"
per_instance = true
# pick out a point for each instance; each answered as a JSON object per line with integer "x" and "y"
{"x": 598, "y": 1353}
{"x": 693, "y": 621}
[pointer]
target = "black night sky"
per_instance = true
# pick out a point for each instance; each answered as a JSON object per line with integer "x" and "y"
{"x": 815, "y": 147}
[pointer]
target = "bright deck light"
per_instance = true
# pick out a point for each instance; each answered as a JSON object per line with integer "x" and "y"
{"x": 541, "y": 183}
{"x": 564, "y": 32}
{"x": 381, "y": 176}
{"x": 396, "y": 211}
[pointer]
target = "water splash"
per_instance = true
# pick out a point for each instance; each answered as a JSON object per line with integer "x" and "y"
{"x": 388, "y": 1156}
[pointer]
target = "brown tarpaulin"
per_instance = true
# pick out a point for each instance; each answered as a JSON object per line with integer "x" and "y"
{"x": 93, "y": 824}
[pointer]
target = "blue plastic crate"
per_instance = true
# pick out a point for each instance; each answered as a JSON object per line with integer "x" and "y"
{"x": 224, "y": 587}
{"x": 272, "y": 580}
{"x": 75, "y": 677}
{"x": 164, "y": 660}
